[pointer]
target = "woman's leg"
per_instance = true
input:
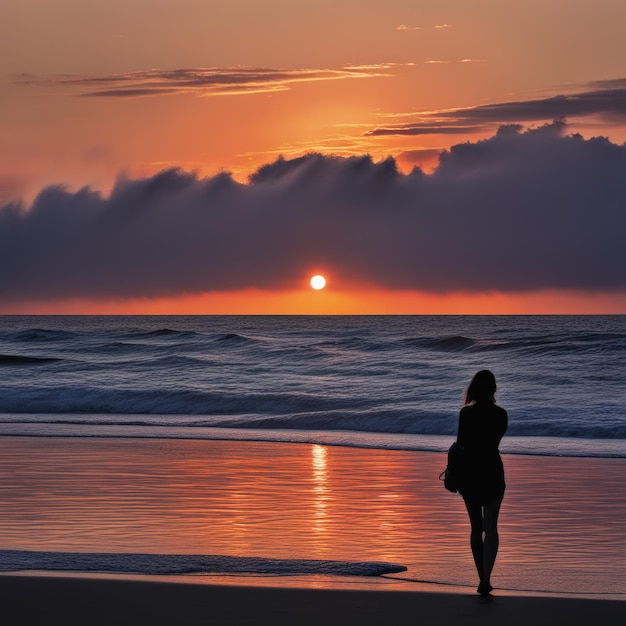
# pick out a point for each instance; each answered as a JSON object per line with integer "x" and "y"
{"x": 484, "y": 539}
{"x": 475, "y": 512}
{"x": 491, "y": 541}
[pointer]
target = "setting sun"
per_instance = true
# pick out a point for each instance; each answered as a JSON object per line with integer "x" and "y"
{"x": 318, "y": 282}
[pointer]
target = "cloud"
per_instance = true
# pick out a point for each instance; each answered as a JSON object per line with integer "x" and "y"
{"x": 613, "y": 83}
{"x": 606, "y": 102}
{"x": 521, "y": 210}
{"x": 426, "y": 128}
{"x": 376, "y": 66}
{"x": 442, "y": 62}
{"x": 606, "y": 99}
{"x": 436, "y": 27}
{"x": 202, "y": 81}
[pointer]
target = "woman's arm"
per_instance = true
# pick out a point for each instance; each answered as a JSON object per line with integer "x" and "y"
{"x": 462, "y": 434}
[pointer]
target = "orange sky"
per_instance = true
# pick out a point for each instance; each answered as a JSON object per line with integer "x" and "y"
{"x": 328, "y": 302}
{"x": 89, "y": 91}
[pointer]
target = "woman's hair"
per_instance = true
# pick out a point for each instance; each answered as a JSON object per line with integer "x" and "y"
{"x": 482, "y": 388}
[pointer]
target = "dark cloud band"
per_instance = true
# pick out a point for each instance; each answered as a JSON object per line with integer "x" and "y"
{"x": 520, "y": 210}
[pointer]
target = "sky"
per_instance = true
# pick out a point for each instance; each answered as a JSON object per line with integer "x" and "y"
{"x": 210, "y": 156}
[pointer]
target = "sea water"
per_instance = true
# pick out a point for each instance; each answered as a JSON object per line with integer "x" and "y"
{"x": 135, "y": 494}
{"x": 380, "y": 381}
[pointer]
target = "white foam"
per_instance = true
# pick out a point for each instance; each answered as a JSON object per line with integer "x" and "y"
{"x": 168, "y": 564}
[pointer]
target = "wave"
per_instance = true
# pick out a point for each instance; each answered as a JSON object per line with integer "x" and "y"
{"x": 386, "y": 420}
{"x": 39, "y": 335}
{"x": 163, "y": 332}
{"x": 234, "y": 338}
{"x": 560, "y": 376}
{"x": 459, "y": 343}
{"x": 168, "y": 564}
{"x": 10, "y": 359}
{"x": 87, "y": 400}
{"x": 538, "y": 345}
{"x": 360, "y": 344}
{"x": 178, "y": 361}
{"x": 169, "y": 333}
{"x": 453, "y": 343}
{"x": 123, "y": 347}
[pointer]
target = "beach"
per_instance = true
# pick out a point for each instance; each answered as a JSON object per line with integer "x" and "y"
{"x": 562, "y": 533}
{"x": 78, "y": 601}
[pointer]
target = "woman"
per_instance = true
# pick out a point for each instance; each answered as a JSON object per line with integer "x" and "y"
{"x": 481, "y": 478}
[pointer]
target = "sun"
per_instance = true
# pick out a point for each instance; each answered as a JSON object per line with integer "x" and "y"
{"x": 318, "y": 282}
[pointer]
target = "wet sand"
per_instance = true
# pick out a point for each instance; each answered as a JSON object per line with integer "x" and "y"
{"x": 563, "y": 528}
{"x": 79, "y": 601}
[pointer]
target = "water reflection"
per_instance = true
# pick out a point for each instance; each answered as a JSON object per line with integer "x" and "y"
{"x": 319, "y": 463}
{"x": 308, "y": 501}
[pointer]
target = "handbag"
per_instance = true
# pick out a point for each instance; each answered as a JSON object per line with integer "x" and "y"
{"x": 450, "y": 476}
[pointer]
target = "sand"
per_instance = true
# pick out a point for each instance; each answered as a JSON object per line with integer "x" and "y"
{"x": 94, "y": 602}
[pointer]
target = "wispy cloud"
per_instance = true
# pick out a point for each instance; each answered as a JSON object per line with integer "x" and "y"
{"x": 447, "y": 62}
{"x": 609, "y": 101}
{"x": 603, "y": 99}
{"x": 404, "y": 27}
{"x": 615, "y": 83}
{"x": 204, "y": 81}
{"x": 375, "y": 67}
{"x": 423, "y": 128}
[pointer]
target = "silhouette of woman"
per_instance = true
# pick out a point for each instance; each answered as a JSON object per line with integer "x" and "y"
{"x": 481, "y": 477}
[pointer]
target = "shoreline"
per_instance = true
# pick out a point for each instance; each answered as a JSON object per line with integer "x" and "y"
{"x": 568, "y": 447}
{"x": 79, "y": 600}
{"x": 385, "y": 583}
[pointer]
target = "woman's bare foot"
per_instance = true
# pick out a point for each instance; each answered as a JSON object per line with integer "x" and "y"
{"x": 484, "y": 588}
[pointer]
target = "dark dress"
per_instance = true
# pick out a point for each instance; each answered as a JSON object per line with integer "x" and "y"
{"x": 481, "y": 474}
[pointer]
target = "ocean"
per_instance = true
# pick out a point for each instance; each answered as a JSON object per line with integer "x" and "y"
{"x": 369, "y": 381}
{"x": 221, "y": 446}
